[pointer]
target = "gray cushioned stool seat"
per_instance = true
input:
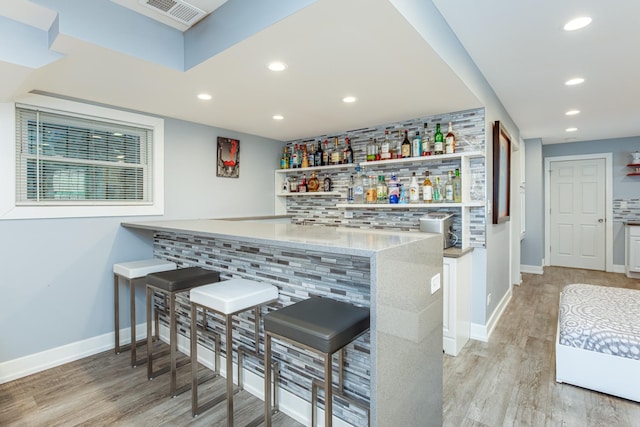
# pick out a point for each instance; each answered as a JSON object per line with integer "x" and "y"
{"x": 324, "y": 324}
{"x": 183, "y": 278}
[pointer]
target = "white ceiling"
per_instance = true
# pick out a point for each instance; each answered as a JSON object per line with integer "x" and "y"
{"x": 334, "y": 49}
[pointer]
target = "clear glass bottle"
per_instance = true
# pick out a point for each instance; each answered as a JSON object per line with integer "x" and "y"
{"x": 371, "y": 150}
{"x": 450, "y": 141}
{"x": 294, "y": 156}
{"x": 457, "y": 187}
{"x": 414, "y": 190}
{"x": 326, "y": 155}
{"x": 372, "y": 196}
{"x": 385, "y": 147}
{"x": 394, "y": 190}
{"x": 358, "y": 187}
{"x": 427, "y": 189}
{"x": 382, "y": 191}
{"x": 336, "y": 154}
{"x": 284, "y": 160}
{"x": 416, "y": 146}
{"x": 350, "y": 188}
{"x": 448, "y": 188}
{"x": 426, "y": 143}
{"x": 437, "y": 193}
{"x": 438, "y": 141}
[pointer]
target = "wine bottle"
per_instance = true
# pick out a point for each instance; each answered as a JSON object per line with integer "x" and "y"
{"x": 457, "y": 187}
{"x": 319, "y": 154}
{"x": 427, "y": 189}
{"x": 426, "y": 144}
{"x": 450, "y": 141}
{"x": 406, "y": 145}
{"x": 438, "y": 141}
{"x": 349, "y": 152}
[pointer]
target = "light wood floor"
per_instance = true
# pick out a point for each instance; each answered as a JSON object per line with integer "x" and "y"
{"x": 506, "y": 382}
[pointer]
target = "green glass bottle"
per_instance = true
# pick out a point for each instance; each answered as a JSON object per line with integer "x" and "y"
{"x": 438, "y": 141}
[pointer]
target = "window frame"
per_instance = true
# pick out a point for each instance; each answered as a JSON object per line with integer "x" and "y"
{"x": 9, "y": 209}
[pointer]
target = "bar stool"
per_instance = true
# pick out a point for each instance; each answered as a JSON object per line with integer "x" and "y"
{"x": 134, "y": 273}
{"x": 324, "y": 326}
{"x": 171, "y": 283}
{"x": 227, "y": 298}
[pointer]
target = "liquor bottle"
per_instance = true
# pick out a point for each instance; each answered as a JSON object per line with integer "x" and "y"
{"x": 349, "y": 152}
{"x": 406, "y": 145}
{"x": 294, "y": 156}
{"x": 350, "y": 196}
{"x": 457, "y": 187}
{"x": 438, "y": 141}
{"x": 437, "y": 194}
{"x": 302, "y": 188}
{"x": 382, "y": 191}
{"x": 427, "y": 189}
{"x": 385, "y": 148}
{"x": 319, "y": 154}
{"x": 313, "y": 184}
{"x": 403, "y": 195}
{"x": 371, "y": 150}
{"x": 327, "y": 185}
{"x": 448, "y": 188}
{"x": 312, "y": 155}
{"x": 358, "y": 188}
{"x": 284, "y": 160}
{"x": 450, "y": 141}
{"x": 414, "y": 190}
{"x": 398, "y": 145}
{"x": 378, "y": 149}
{"x": 372, "y": 196}
{"x": 426, "y": 144}
{"x": 336, "y": 154}
{"x": 326, "y": 154}
{"x": 305, "y": 157}
{"x": 394, "y": 190}
{"x": 416, "y": 149}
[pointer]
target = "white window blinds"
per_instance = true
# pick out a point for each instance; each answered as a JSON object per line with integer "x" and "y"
{"x": 69, "y": 159}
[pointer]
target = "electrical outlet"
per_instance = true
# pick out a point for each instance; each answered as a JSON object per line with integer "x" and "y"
{"x": 348, "y": 214}
{"x": 435, "y": 283}
{"x": 488, "y": 300}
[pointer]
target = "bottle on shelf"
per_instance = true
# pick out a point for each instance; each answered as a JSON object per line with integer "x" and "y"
{"x": 348, "y": 156}
{"x": 438, "y": 141}
{"x": 427, "y": 189}
{"x": 319, "y": 154}
{"x": 284, "y": 160}
{"x": 406, "y": 145}
{"x": 414, "y": 190}
{"x": 437, "y": 193}
{"x": 403, "y": 195}
{"x": 312, "y": 155}
{"x": 350, "y": 190}
{"x": 426, "y": 143}
{"x": 416, "y": 147}
{"x": 313, "y": 184}
{"x": 358, "y": 187}
{"x": 385, "y": 148}
{"x": 294, "y": 156}
{"x": 371, "y": 150}
{"x": 327, "y": 184}
{"x": 302, "y": 188}
{"x": 457, "y": 187}
{"x": 286, "y": 185}
{"x": 448, "y": 188}
{"x": 372, "y": 196}
{"x": 450, "y": 141}
{"x": 293, "y": 185}
{"x": 336, "y": 154}
{"x": 378, "y": 149}
{"x": 305, "y": 157}
{"x": 394, "y": 190}
{"x": 326, "y": 154}
{"x": 398, "y": 145}
{"x": 382, "y": 191}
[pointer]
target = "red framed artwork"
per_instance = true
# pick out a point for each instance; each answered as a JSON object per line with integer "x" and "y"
{"x": 228, "y": 165}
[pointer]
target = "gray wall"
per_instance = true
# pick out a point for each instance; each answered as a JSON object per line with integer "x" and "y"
{"x": 57, "y": 285}
{"x": 624, "y": 188}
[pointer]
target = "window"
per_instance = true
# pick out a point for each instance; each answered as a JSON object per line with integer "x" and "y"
{"x": 85, "y": 161}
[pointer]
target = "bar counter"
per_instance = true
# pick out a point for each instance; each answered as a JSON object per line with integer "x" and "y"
{"x": 397, "y": 366}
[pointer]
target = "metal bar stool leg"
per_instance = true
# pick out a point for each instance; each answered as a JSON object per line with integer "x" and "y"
{"x": 116, "y": 314}
{"x": 267, "y": 380}
{"x": 134, "y": 335}
{"x": 173, "y": 338}
{"x": 150, "y": 307}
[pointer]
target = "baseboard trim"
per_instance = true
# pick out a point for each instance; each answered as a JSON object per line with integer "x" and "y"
{"x": 483, "y": 332}
{"x": 531, "y": 269}
{"x": 618, "y": 268}
{"x": 38, "y": 362}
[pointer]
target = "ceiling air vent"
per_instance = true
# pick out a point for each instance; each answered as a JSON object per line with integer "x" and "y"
{"x": 176, "y": 9}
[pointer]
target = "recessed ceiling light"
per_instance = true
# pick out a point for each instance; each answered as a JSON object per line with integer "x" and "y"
{"x": 278, "y": 117}
{"x": 204, "y": 96}
{"x": 572, "y": 112}
{"x": 277, "y": 66}
{"x": 575, "y": 81}
{"x": 349, "y": 99}
{"x": 571, "y": 129}
{"x": 576, "y": 24}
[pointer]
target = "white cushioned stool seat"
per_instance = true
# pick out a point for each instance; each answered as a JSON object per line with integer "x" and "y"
{"x": 135, "y": 269}
{"x": 233, "y": 295}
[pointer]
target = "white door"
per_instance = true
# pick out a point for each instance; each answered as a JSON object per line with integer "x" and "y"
{"x": 577, "y": 213}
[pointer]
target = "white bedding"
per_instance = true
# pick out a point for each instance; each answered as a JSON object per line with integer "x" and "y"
{"x": 601, "y": 319}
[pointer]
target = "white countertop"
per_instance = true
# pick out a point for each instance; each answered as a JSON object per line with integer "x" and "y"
{"x": 337, "y": 239}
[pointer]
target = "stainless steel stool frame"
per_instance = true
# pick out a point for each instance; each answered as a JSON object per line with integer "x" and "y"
{"x": 327, "y": 384}
{"x": 132, "y": 308}
{"x": 197, "y": 409}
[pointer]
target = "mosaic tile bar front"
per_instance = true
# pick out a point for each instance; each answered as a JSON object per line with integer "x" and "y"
{"x": 469, "y": 127}
{"x": 298, "y": 274}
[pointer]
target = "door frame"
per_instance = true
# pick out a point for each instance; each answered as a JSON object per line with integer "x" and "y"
{"x": 608, "y": 207}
